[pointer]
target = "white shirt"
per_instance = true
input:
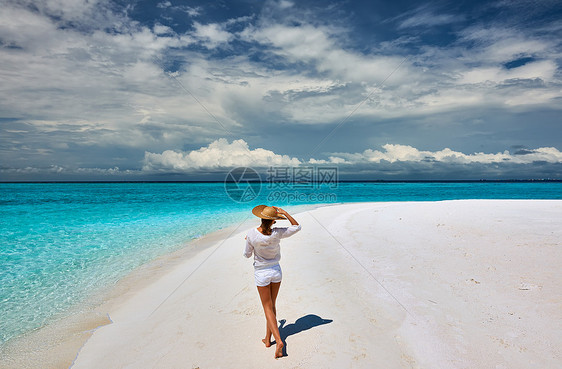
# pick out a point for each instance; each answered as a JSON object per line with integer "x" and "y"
{"x": 266, "y": 249}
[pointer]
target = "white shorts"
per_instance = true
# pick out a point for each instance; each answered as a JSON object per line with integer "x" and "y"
{"x": 266, "y": 275}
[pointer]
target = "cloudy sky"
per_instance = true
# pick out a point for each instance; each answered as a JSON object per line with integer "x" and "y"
{"x": 188, "y": 90}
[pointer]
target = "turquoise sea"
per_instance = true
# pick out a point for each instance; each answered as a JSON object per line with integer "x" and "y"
{"x": 62, "y": 242}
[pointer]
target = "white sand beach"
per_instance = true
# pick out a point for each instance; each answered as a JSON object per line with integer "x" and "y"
{"x": 451, "y": 284}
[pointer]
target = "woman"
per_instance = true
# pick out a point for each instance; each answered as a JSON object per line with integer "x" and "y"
{"x": 263, "y": 242}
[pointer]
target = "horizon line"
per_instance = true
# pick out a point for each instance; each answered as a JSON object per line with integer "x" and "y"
{"x": 290, "y": 182}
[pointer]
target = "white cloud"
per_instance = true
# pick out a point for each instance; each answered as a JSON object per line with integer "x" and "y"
{"x": 393, "y": 160}
{"x": 429, "y": 19}
{"x": 62, "y": 170}
{"x": 403, "y": 153}
{"x": 222, "y": 154}
{"x": 218, "y": 154}
{"x": 319, "y": 46}
{"x": 191, "y": 11}
{"x": 285, "y": 4}
{"x": 498, "y": 45}
{"x": 544, "y": 70}
{"x": 24, "y": 29}
{"x": 426, "y": 83}
{"x": 65, "y": 81}
{"x": 160, "y": 30}
{"x": 334, "y": 80}
{"x": 212, "y": 35}
{"x": 164, "y": 4}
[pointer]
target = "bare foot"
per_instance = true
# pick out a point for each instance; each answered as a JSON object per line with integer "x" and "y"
{"x": 266, "y": 342}
{"x": 279, "y": 350}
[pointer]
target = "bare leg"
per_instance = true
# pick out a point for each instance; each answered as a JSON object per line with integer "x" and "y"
{"x": 267, "y": 303}
{"x": 274, "y": 289}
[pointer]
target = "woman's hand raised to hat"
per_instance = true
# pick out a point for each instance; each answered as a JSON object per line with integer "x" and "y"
{"x": 283, "y": 212}
{"x": 279, "y": 210}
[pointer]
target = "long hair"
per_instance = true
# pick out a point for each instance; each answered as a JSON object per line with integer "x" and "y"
{"x": 266, "y": 226}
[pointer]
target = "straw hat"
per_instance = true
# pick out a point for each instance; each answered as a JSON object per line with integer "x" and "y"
{"x": 266, "y": 212}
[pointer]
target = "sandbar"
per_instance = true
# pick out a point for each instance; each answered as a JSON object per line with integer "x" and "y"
{"x": 447, "y": 284}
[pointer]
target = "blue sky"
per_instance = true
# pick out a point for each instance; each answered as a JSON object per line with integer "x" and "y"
{"x": 188, "y": 90}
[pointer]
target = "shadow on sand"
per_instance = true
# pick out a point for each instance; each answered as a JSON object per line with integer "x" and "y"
{"x": 301, "y": 324}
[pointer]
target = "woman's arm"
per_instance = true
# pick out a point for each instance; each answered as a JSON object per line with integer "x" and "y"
{"x": 283, "y": 212}
{"x": 249, "y": 249}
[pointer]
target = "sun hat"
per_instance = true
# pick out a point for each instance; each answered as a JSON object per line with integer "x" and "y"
{"x": 267, "y": 212}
